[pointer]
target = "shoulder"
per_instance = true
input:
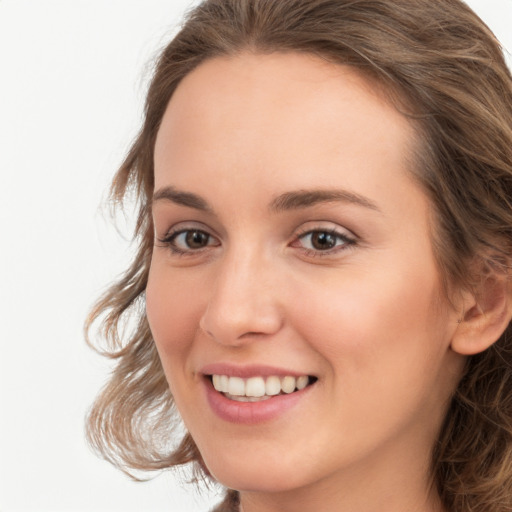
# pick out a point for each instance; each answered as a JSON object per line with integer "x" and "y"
{"x": 230, "y": 503}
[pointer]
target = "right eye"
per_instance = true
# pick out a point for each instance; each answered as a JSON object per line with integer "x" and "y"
{"x": 185, "y": 241}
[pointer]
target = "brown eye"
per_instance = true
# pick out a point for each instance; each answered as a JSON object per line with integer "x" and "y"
{"x": 196, "y": 239}
{"x": 189, "y": 241}
{"x": 322, "y": 240}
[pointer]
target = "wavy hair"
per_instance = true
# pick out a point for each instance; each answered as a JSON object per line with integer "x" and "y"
{"x": 444, "y": 69}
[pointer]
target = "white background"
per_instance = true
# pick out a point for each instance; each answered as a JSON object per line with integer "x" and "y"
{"x": 71, "y": 90}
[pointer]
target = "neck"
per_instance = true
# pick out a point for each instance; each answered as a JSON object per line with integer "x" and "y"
{"x": 396, "y": 485}
{"x": 348, "y": 501}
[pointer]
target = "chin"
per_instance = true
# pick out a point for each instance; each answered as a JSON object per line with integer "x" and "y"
{"x": 252, "y": 477}
{"x": 262, "y": 482}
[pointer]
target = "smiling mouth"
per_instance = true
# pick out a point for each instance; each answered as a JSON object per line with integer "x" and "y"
{"x": 257, "y": 389}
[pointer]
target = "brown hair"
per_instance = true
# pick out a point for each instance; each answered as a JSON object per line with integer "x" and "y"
{"x": 444, "y": 68}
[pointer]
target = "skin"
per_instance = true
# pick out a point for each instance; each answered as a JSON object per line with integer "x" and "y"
{"x": 367, "y": 318}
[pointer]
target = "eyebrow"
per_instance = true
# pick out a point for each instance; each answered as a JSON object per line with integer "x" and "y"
{"x": 182, "y": 198}
{"x": 294, "y": 200}
{"x": 306, "y": 198}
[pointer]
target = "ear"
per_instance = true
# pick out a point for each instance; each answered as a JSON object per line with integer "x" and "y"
{"x": 484, "y": 317}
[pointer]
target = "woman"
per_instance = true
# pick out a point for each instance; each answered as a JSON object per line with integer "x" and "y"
{"x": 322, "y": 283}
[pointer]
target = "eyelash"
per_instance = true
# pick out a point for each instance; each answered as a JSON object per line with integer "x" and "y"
{"x": 169, "y": 239}
{"x": 347, "y": 240}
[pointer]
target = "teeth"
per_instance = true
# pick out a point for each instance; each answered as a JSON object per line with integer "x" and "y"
{"x": 288, "y": 384}
{"x": 302, "y": 381}
{"x": 273, "y": 386}
{"x": 257, "y": 388}
{"x": 224, "y": 383}
{"x": 236, "y": 386}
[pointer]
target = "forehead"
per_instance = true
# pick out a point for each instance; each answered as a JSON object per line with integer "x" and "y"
{"x": 276, "y": 117}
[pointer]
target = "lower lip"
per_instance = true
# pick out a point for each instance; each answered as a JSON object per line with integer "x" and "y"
{"x": 249, "y": 413}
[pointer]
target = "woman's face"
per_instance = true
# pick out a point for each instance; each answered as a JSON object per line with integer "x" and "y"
{"x": 291, "y": 241}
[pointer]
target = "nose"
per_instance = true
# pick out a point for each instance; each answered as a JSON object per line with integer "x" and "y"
{"x": 244, "y": 303}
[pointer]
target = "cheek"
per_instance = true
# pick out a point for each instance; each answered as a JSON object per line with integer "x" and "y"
{"x": 384, "y": 324}
{"x": 173, "y": 308}
{"x": 386, "y": 354}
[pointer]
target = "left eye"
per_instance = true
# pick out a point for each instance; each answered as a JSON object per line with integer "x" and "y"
{"x": 323, "y": 240}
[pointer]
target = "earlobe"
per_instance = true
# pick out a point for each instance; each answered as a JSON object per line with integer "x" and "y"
{"x": 485, "y": 317}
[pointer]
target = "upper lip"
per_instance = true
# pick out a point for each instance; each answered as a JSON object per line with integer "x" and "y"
{"x": 247, "y": 371}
